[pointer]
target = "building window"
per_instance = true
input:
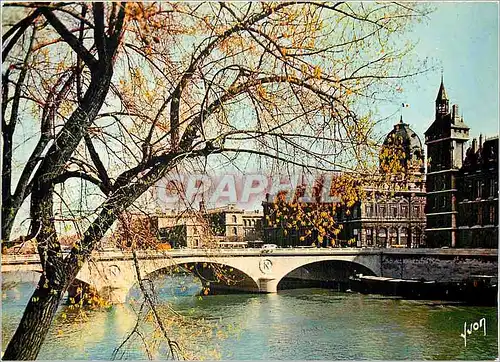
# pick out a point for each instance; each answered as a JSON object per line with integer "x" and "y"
{"x": 404, "y": 211}
{"x": 355, "y": 213}
{"x": 478, "y": 189}
{"x": 443, "y": 201}
{"x": 369, "y": 237}
{"x": 234, "y": 219}
{"x": 235, "y": 231}
{"x": 382, "y": 237}
{"x": 468, "y": 191}
{"x": 492, "y": 215}
{"x": 245, "y": 222}
{"x": 394, "y": 211}
{"x": 493, "y": 190}
{"x": 368, "y": 210}
{"x": 382, "y": 210}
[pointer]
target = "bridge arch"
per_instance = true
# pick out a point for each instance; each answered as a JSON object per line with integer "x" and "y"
{"x": 113, "y": 279}
{"x": 244, "y": 269}
{"x": 331, "y": 273}
{"x": 213, "y": 275}
{"x": 369, "y": 264}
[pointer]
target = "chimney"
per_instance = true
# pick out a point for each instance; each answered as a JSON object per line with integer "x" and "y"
{"x": 474, "y": 145}
{"x": 454, "y": 112}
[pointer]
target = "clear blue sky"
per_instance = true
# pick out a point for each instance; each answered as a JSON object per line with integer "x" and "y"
{"x": 463, "y": 39}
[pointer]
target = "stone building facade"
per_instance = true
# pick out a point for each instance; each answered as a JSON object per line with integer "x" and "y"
{"x": 233, "y": 224}
{"x": 477, "y": 196}
{"x": 182, "y": 229}
{"x": 394, "y": 214}
{"x": 388, "y": 220}
{"x": 445, "y": 139}
{"x": 204, "y": 228}
{"x": 462, "y": 184}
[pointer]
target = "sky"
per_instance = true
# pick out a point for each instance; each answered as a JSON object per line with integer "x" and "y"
{"x": 461, "y": 37}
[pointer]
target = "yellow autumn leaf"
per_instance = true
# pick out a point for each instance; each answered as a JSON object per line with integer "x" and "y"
{"x": 317, "y": 72}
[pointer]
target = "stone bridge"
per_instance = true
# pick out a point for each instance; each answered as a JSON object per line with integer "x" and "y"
{"x": 113, "y": 274}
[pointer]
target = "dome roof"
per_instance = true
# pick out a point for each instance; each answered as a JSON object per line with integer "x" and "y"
{"x": 403, "y": 143}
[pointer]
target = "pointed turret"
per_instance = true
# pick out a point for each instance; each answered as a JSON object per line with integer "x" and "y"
{"x": 445, "y": 139}
{"x": 442, "y": 101}
{"x": 441, "y": 93}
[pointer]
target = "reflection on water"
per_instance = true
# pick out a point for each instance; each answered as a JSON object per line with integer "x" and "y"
{"x": 294, "y": 324}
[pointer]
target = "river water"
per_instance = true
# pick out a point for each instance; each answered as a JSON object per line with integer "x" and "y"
{"x": 293, "y": 324}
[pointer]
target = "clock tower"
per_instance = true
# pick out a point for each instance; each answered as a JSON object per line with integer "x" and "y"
{"x": 445, "y": 140}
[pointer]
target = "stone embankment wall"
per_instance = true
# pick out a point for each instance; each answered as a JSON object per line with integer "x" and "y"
{"x": 440, "y": 267}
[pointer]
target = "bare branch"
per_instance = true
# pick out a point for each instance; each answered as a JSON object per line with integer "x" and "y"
{"x": 70, "y": 39}
{"x": 16, "y": 31}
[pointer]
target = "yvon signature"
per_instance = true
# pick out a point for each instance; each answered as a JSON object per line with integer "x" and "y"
{"x": 473, "y": 327}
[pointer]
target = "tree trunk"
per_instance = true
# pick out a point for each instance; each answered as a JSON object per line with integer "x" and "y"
{"x": 27, "y": 341}
{"x": 40, "y": 311}
{"x": 35, "y": 323}
{"x": 7, "y": 222}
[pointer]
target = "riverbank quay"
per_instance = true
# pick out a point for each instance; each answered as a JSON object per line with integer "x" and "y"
{"x": 474, "y": 290}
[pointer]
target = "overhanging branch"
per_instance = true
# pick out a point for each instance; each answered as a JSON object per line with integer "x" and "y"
{"x": 69, "y": 38}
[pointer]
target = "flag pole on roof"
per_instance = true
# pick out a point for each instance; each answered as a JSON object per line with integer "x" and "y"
{"x": 403, "y": 105}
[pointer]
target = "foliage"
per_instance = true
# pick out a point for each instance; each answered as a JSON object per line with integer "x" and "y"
{"x": 136, "y": 232}
{"x": 316, "y": 222}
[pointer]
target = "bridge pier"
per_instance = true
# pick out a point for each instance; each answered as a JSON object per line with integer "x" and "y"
{"x": 268, "y": 285}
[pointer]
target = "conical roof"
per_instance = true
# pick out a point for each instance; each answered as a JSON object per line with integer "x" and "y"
{"x": 442, "y": 92}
